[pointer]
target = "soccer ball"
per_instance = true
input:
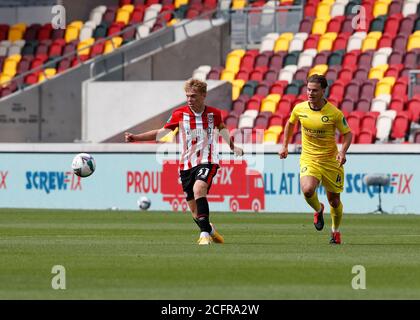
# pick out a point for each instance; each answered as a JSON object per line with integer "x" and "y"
{"x": 144, "y": 203}
{"x": 83, "y": 165}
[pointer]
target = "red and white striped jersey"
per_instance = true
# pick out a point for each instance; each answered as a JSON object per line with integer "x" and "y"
{"x": 197, "y": 135}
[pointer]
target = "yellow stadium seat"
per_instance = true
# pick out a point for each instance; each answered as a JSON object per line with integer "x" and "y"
{"x": 270, "y": 137}
{"x": 179, "y": 3}
{"x": 170, "y": 137}
{"x": 378, "y": 72}
{"x": 14, "y": 57}
{"x": 318, "y": 69}
{"x": 21, "y": 26}
{"x": 287, "y": 35}
{"x": 330, "y": 35}
{"x": 15, "y": 34}
{"x": 227, "y": 75}
{"x": 320, "y": 25}
{"x": 283, "y": 41}
{"x": 270, "y": 102}
{"x": 384, "y": 86}
{"x": 49, "y": 73}
{"x": 281, "y": 44}
{"x": 273, "y": 96}
{"x": 111, "y": 46}
{"x": 413, "y": 42}
{"x": 236, "y": 88}
{"x": 17, "y": 31}
{"x": 72, "y": 33}
{"x": 375, "y": 35}
{"x": 10, "y": 67}
{"x": 268, "y": 106}
{"x": 122, "y": 16}
{"x": 83, "y": 48}
{"x": 128, "y": 7}
{"x": 275, "y": 128}
{"x": 5, "y": 78}
{"x": 369, "y": 44}
{"x": 371, "y": 40}
{"x": 389, "y": 80}
{"x": 325, "y": 43}
{"x": 380, "y": 8}
{"x": 239, "y": 4}
{"x": 77, "y": 24}
{"x": 233, "y": 63}
{"x": 323, "y": 10}
{"x": 237, "y": 52}
{"x": 172, "y": 22}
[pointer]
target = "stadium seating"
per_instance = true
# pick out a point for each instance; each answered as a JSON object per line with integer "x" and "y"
{"x": 367, "y": 68}
{"x": 38, "y": 44}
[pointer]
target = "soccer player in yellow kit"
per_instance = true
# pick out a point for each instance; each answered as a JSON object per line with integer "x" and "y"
{"x": 320, "y": 161}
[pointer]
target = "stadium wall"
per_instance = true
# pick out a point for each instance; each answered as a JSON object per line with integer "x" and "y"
{"x": 110, "y": 108}
{"x": 39, "y": 176}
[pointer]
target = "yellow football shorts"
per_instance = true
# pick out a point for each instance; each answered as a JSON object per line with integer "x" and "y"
{"x": 328, "y": 172}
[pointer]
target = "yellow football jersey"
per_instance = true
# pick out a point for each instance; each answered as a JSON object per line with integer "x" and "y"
{"x": 318, "y": 129}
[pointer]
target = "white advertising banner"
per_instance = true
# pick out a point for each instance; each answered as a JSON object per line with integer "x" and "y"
{"x": 266, "y": 184}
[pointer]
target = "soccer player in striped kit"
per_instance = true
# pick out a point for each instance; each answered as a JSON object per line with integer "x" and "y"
{"x": 199, "y": 126}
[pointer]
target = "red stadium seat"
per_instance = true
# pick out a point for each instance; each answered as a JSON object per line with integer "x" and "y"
{"x": 363, "y": 105}
{"x": 311, "y": 42}
{"x": 261, "y": 122}
{"x": 254, "y": 103}
{"x": 335, "y": 24}
{"x": 340, "y": 43}
{"x": 277, "y": 120}
{"x": 276, "y": 61}
{"x": 397, "y": 104}
{"x": 365, "y": 137}
{"x": 392, "y": 24}
{"x": 231, "y": 122}
{"x": 354, "y": 121}
{"x": 347, "y": 105}
{"x": 413, "y": 106}
{"x": 284, "y": 108}
{"x": 243, "y": 74}
{"x": 368, "y": 121}
{"x": 278, "y": 87}
{"x": 400, "y": 125}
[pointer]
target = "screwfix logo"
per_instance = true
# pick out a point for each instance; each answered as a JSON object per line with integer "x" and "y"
{"x": 3, "y": 177}
{"x": 400, "y": 184}
{"x": 52, "y": 180}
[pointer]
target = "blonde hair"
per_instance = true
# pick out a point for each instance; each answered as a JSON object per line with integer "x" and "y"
{"x": 196, "y": 85}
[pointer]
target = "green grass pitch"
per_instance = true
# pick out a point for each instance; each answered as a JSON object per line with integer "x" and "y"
{"x": 154, "y": 255}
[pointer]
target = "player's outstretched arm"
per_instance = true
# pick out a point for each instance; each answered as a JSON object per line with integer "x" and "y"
{"x": 288, "y": 133}
{"x": 151, "y": 135}
{"x": 224, "y": 132}
{"x": 341, "y": 156}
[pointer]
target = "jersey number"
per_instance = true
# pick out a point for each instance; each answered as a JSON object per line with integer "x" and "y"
{"x": 203, "y": 172}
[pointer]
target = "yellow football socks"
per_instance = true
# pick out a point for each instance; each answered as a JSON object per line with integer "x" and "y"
{"x": 314, "y": 202}
{"x": 336, "y": 216}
